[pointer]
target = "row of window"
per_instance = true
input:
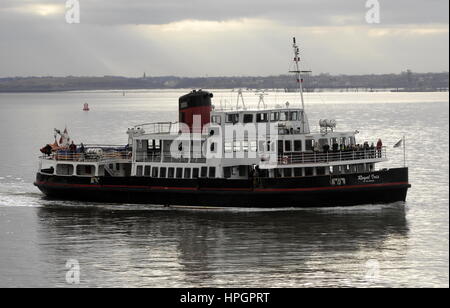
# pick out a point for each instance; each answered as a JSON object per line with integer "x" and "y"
{"x": 310, "y": 171}
{"x": 283, "y": 145}
{"x": 260, "y": 117}
{"x": 178, "y": 173}
{"x": 296, "y": 172}
{"x": 210, "y": 172}
{"x": 309, "y": 143}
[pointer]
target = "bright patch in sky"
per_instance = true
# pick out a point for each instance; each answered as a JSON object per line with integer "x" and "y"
{"x": 40, "y": 9}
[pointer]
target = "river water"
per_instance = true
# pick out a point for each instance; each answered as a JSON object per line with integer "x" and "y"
{"x": 394, "y": 245}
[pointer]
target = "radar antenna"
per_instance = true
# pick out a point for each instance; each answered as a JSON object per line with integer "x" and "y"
{"x": 297, "y": 71}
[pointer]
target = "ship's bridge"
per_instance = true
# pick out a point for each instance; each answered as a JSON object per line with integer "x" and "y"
{"x": 284, "y": 120}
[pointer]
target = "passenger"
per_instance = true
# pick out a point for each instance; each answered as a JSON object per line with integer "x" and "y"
{"x": 335, "y": 147}
{"x": 82, "y": 148}
{"x": 73, "y": 147}
{"x": 366, "y": 145}
{"x": 316, "y": 147}
{"x": 379, "y": 147}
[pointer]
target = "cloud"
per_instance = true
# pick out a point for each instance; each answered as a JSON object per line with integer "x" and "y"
{"x": 292, "y": 12}
{"x": 210, "y": 37}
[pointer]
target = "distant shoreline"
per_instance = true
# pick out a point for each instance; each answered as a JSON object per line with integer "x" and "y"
{"x": 403, "y": 82}
{"x": 337, "y": 90}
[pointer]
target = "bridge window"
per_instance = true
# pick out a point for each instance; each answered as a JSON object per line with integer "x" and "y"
{"x": 216, "y": 119}
{"x": 297, "y": 145}
{"x": 262, "y": 117}
{"x": 232, "y": 118}
{"x": 248, "y": 118}
{"x": 293, "y": 116}
{"x": 275, "y": 116}
{"x": 284, "y": 116}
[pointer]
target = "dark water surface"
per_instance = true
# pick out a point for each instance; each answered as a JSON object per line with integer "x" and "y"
{"x": 395, "y": 245}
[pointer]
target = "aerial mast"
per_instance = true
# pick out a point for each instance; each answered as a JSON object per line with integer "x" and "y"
{"x": 298, "y": 72}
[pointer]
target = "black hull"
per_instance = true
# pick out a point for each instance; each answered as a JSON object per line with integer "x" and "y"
{"x": 385, "y": 186}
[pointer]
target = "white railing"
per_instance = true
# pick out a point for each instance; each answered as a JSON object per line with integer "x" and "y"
{"x": 331, "y": 156}
{"x": 91, "y": 154}
{"x": 158, "y": 127}
{"x": 167, "y": 158}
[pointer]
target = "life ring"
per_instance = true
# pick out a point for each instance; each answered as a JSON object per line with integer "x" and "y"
{"x": 285, "y": 160}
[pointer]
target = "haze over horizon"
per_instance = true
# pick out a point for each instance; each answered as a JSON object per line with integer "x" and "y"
{"x": 221, "y": 38}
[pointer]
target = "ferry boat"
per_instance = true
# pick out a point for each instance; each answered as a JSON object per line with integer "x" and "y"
{"x": 237, "y": 157}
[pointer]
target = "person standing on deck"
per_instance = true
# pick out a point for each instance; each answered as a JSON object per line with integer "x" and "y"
{"x": 379, "y": 147}
{"x": 72, "y": 147}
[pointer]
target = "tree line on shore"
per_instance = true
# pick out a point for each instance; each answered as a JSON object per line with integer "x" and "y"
{"x": 405, "y": 81}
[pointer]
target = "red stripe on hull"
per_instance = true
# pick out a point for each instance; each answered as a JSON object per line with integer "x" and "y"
{"x": 223, "y": 188}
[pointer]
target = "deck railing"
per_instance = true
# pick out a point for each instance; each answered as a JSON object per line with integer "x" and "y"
{"x": 91, "y": 154}
{"x": 158, "y": 127}
{"x": 326, "y": 157}
{"x": 167, "y": 158}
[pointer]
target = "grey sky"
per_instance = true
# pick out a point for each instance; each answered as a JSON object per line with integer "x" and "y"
{"x": 226, "y": 37}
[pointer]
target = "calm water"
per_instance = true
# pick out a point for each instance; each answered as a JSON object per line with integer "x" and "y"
{"x": 393, "y": 245}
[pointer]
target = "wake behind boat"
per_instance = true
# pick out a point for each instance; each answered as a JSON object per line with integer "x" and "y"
{"x": 228, "y": 158}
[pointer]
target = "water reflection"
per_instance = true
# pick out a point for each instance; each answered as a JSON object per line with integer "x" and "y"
{"x": 155, "y": 247}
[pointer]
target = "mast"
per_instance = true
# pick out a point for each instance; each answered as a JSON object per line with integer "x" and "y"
{"x": 298, "y": 72}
